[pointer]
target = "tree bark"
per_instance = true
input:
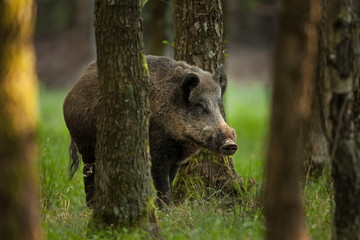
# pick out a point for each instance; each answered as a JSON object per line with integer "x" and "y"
{"x": 199, "y": 40}
{"x": 19, "y": 202}
{"x": 343, "y": 67}
{"x": 295, "y": 57}
{"x": 199, "y": 32}
{"x": 123, "y": 186}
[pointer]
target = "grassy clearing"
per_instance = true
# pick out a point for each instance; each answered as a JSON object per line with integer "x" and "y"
{"x": 65, "y": 215}
{"x": 247, "y": 108}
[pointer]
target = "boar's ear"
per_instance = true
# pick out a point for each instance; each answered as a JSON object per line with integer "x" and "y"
{"x": 220, "y": 77}
{"x": 189, "y": 82}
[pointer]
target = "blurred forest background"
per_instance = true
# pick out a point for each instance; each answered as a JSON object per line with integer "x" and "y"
{"x": 65, "y": 45}
{"x": 65, "y": 42}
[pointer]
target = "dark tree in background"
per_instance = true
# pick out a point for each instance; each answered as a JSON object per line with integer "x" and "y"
{"x": 157, "y": 26}
{"x": 314, "y": 144}
{"x": 123, "y": 186}
{"x": 19, "y": 203}
{"x": 343, "y": 73}
{"x": 315, "y": 136}
{"x": 294, "y": 70}
{"x": 199, "y": 40}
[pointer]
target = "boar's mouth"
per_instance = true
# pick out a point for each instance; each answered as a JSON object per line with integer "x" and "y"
{"x": 228, "y": 148}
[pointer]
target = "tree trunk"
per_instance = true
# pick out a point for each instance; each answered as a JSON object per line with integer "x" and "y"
{"x": 19, "y": 202}
{"x": 343, "y": 63}
{"x": 199, "y": 33}
{"x": 123, "y": 186}
{"x": 199, "y": 41}
{"x": 314, "y": 145}
{"x": 315, "y": 136}
{"x": 295, "y": 57}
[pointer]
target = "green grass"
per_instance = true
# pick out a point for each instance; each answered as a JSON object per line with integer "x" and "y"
{"x": 65, "y": 215}
{"x": 247, "y": 108}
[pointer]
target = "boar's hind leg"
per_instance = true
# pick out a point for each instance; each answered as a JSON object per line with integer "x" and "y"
{"x": 160, "y": 175}
{"x": 89, "y": 177}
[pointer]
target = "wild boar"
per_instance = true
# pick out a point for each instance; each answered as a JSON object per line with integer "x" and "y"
{"x": 185, "y": 117}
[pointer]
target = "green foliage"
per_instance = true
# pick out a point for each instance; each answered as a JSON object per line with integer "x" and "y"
{"x": 319, "y": 202}
{"x": 166, "y": 42}
{"x": 143, "y": 2}
{"x": 119, "y": 234}
{"x": 206, "y": 220}
{"x": 65, "y": 215}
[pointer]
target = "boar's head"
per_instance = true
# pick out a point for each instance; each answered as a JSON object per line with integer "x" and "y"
{"x": 202, "y": 118}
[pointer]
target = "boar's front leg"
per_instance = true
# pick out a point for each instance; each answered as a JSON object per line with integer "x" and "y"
{"x": 160, "y": 175}
{"x": 172, "y": 172}
{"x": 89, "y": 177}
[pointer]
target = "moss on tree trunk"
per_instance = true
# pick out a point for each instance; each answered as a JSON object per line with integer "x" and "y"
{"x": 18, "y": 90}
{"x": 123, "y": 187}
{"x": 199, "y": 40}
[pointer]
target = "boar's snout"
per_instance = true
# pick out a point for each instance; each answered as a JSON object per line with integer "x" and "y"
{"x": 229, "y": 148}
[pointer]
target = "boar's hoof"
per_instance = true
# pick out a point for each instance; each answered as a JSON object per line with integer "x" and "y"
{"x": 229, "y": 148}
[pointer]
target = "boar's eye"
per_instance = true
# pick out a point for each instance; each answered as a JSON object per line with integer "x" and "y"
{"x": 201, "y": 107}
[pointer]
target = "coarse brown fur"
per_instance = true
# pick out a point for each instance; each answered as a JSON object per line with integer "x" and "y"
{"x": 185, "y": 117}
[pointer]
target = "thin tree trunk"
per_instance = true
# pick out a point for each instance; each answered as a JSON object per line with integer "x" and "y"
{"x": 314, "y": 145}
{"x": 123, "y": 187}
{"x": 316, "y": 135}
{"x": 19, "y": 202}
{"x": 199, "y": 40}
{"x": 295, "y": 58}
{"x": 315, "y": 149}
{"x": 343, "y": 63}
